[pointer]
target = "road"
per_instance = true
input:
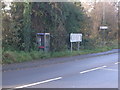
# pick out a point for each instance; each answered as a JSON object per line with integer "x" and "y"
{"x": 99, "y": 71}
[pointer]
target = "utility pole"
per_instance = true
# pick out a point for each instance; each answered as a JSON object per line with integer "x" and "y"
{"x": 103, "y": 22}
{"x": 103, "y": 14}
{"x": 118, "y": 23}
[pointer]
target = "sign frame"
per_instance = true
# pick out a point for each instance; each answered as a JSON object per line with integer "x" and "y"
{"x": 75, "y": 37}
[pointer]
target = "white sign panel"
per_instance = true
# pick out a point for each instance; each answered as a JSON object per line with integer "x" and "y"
{"x": 103, "y": 27}
{"x": 75, "y": 37}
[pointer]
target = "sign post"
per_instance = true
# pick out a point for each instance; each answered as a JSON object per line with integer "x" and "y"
{"x": 103, "y": 29}
{"x": 78, "y": 46}
{"x": 75, "y": 37}
{"x": 71, "y": 46}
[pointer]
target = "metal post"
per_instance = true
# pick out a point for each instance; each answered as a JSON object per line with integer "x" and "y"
{"x": 103, "y": 37}
{"x": 45, "y": 42}
{"x": 78, "y": 46}
{"x": 71, "y": 46}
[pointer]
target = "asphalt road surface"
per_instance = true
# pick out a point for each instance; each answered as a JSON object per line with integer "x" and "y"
{"x": 99, "y": 71}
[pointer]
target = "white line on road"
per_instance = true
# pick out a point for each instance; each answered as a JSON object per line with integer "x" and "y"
{"x": 93, "y": 69}
{"x": 117, "y": 62}
{"x": 32, "y": 84}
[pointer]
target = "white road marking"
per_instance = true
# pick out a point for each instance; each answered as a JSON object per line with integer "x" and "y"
{"x": 117, "y": 62}
{"x": 93, "y": 69}
{"x": 110, "y": 69}
{"x": 32, "y": 84}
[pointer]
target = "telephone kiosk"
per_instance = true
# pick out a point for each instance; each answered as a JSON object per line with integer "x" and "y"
{"x": 43, "y": 41}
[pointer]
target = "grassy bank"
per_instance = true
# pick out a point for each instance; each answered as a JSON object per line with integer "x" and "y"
{"x": 21, "y": 56}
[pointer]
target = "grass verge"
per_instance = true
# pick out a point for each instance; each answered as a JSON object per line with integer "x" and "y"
{"x": 21, "y": 56}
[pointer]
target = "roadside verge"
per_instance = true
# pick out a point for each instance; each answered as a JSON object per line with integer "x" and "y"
{"x": 46, "y": 62}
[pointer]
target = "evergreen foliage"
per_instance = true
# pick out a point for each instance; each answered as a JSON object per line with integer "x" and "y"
{"x": 25, "y": 19}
